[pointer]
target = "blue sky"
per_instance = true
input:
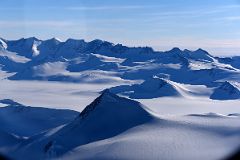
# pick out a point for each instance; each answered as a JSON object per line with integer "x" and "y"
{"x": 213, "y": 25}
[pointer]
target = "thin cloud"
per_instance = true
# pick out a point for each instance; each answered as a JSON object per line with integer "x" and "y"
{"x": 197, "y": 42}
{"x": 86, "y": 8}
{"x": 233, "y": 18}
{"x": 195, "y": 13}
{"x": 35, "y": 23}
{"x": 228, "y": 19}
{"x": 99, "y": 8}
{"x": 231, "y": 6}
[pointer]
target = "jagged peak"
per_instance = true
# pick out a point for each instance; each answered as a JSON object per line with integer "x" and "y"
{"x": 10, "y": 102}
{"x": 33, "y": 38}
{"x": 105, "y": 95}
{"x": 75, "y": 42}
{"x": 2, "y": 39}
{"x": 146, "y": 49}
{"x": 98, "y": 121}
{"x": 108, "y": 98}
{"x": 96, "y": 43}
{"x": 103, "y": 43}
{"x": 70, "y": 40}
{"x": 54, "y": 39}
{"x": 226, "y": 91}
{"x": 29, "y": 41}
{"x": 106, "y": 92}
{"x": 228, "y": 84}
{"x": 200, "y": 50}
{"x": 3, "y": 44}
{"x": 99, "y": 41}
{"x": 175, "y": 49}
{"x": 106, "y": 43}
{"x": 187, "y": 50}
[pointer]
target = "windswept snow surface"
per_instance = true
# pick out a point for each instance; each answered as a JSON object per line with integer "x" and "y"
{"x": 53, "y": 94}
{"x": 186, "y": 138}
{"x": 78, "y": 95}
{"x": 126, "y": 129}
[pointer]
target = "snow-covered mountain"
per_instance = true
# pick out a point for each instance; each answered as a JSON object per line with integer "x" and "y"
{"x": 151, "y": 88}
{"x": 114, "y": 115}
{"x": 233, "y": 61}
{"x": 100, "y": 61}
{"x": 24, "y": 47}
{"x": 25, "y": 121}
{"x": 115, "y": 127}
{"x": 3, "y": 44}
{"x": 227, "y": 91}
{"x": 19, "y": 122}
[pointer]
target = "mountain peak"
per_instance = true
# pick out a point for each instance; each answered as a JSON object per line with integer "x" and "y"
{"x": 226, "y": 91}
{"x": 107, "y": 116}
{"x": 106, "y": 92}
{"x": 54, "y": 39}
{"x": 175, "y": 49}
{"x": 155, "y": 87}
{"x": 75, "y": 43}
{"x": 57, "y": 39}
{"x": 30, "y": 39}
{"x": 9, "y": 102}
{"x": 200, "y": 50}
{"x": 33, "y": 38}
{"x": 71, "y": 40}
{"x": 96, "y": 41}
{"x": 228, "y": 85}
{"x": 27, "y": 47}
{"x": 105, "y": 96}
{"x": 3, "y": 44}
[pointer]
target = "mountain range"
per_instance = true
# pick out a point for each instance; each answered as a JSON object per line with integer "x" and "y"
{"x": 128, "y": 101}
{"x": 100, "y": 61}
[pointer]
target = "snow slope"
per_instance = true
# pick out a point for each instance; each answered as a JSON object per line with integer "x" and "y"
{"x": 169, "y": 138}
{"x": 125, "y": 129}
{"x": 109, "y": 110}
{"x": 3, "y": 44}
{"x": 25, "y": 121}
{"x": 24, "y": 47}
{"x": 151, "y": 88}
{"x": 227, "y": 91}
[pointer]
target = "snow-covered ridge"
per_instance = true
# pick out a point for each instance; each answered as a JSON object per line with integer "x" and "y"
{"x": 226, "y": 91}
{"x": 33, "y": 47}
{"x": 151, "y": 88}
{"x": 26, "y": 121}
{"x": 108, "y": 109}
{"x": 3, "y": 44}
{"x": 100, "y": 61}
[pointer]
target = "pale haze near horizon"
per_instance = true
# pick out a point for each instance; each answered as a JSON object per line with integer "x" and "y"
{"x": 210, "y": 25}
